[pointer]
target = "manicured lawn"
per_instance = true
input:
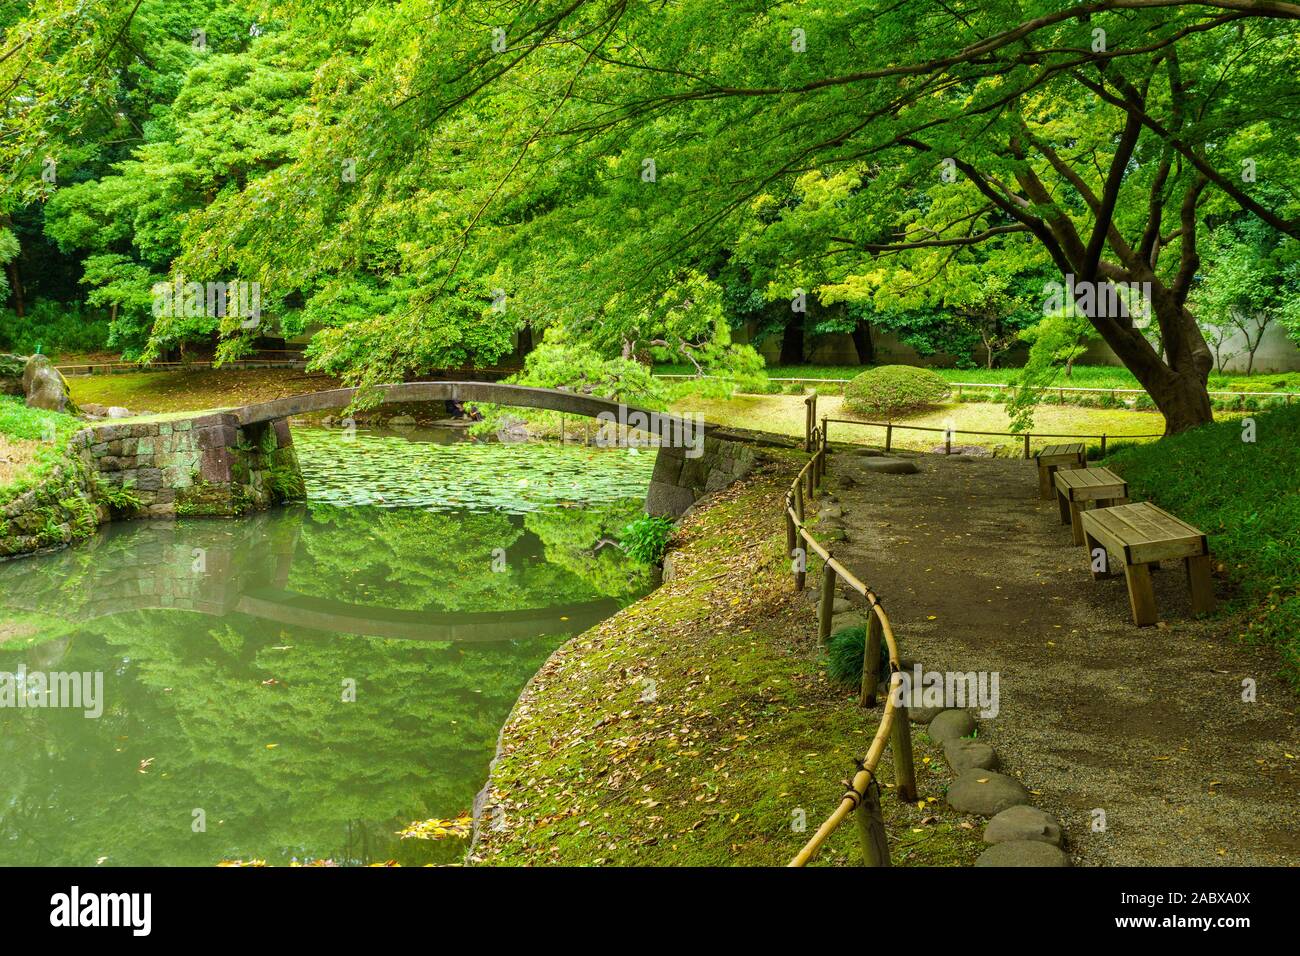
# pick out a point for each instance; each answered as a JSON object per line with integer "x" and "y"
{"x": 784, "y": 414}
{"x": 1084, "y": 376}
{"x": 1243, "y": 495}
{"x": 196, "y": 389}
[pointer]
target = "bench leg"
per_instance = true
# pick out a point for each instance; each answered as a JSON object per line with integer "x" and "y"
{"x": 1076, "y": 521}
{"x": 1063, "y": 503}
{"x": 1045, "y": 481}
{"x": 1202, "y": 587}
{"x": 1093, "y": 545}
{"x": 1141, "y": 595}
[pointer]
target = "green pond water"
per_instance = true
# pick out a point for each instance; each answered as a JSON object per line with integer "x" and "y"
{"x": 300, "y": 684}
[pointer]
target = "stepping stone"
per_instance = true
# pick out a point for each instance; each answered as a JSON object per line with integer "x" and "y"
{"x": 1023, "y": 823}
{"x": 838, "y": 607}
{"x": 985, "y": 793}
{"x": 889, "y": 466}
{"x": 830, "y": 511}
{"x": 965, "y": 754}
{"x": 848, "y": 619}
{"x": 1023, "y": 853}
{"x": 923, "y": 715}
{"x": 951, "y": 725}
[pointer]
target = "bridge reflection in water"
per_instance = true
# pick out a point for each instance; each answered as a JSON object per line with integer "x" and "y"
{"x": 218, "y": 568}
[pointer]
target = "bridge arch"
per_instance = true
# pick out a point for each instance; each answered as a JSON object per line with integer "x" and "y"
{"x": 236, "y": 460}
{"x": 489, "y": 393}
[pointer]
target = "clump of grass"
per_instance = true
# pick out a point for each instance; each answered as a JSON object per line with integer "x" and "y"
{"x": 844, "y": 654}
{"x": 1242, "y": 495}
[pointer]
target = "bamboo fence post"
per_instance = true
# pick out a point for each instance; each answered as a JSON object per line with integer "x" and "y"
{"x": 871, "y": 827}
{"x": 901, "y": 743}
{"x": 889, "y": 436}
{"x": 801, "y": 562}
{"x": 826, "y": 605}
{"x": 791, "y": 535}
{"x": 825, "y": 450}
{"x": 871, "y": 662}
{"x": 1103, "y": 446}
{"x": 1026, "y": 447}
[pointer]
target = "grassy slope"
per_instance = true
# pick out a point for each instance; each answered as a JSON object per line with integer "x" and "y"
{"x": 32, "y": 441}
{"x": 743, "y": 736}
{"x": 1243, "y": 495}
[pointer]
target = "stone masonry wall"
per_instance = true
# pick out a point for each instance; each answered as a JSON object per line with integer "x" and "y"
{"x": 60, "y": 511}
{"x": 206, "y": 465}
{"x": 678, "y": 481}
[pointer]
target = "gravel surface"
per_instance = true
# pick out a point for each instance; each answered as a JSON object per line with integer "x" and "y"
{"x": 1146, "y": 725}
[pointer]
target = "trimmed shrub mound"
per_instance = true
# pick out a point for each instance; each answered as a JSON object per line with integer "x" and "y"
{"x": 892, "y": 390}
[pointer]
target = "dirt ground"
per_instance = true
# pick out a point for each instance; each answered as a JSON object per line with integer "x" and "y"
{"x": 1147, "y": 725}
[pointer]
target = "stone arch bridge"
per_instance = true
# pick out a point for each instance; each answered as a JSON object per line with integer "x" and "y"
{"x": 236, "y": 460}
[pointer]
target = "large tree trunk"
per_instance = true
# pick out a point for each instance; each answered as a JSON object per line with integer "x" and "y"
{"x": 1177, "y": 383}
{"x": 862, "y": 339}
{"x": 792, "y": 340}
{"x": 16, "y": 286}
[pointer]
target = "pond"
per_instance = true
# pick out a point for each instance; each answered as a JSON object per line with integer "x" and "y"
{"x": 301, "y": 684}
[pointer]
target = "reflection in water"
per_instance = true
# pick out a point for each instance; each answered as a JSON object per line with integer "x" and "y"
{"x": 228, "y": 648}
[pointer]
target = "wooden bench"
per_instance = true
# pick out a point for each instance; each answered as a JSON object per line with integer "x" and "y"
{"x": 1146, "y": 535}
{"x": 1055, "y": 457}
{"x": 1077, "y": 489}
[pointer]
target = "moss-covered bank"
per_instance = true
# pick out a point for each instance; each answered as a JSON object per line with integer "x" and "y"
{"x": 697, "y": 726}
{"x": 50, "y": 497}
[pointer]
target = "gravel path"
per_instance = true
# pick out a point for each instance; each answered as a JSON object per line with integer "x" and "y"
{"x": 1147, "y": 725}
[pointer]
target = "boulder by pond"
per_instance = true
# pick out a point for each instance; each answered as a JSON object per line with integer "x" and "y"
{"x": 45, "y": 387}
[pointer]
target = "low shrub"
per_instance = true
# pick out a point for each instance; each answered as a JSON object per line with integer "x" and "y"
{"x": 892, "y": 390}
{"x": 646, "y": 539}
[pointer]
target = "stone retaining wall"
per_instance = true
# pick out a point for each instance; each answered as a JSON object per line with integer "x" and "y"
{"x": 679, "y": 481}
{"x": 61, "y": 510}
{"x": 207, "y": 465}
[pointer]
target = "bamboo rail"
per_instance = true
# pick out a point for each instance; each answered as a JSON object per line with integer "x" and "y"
{"x": 948, "y": 433}
{"x": 1060, "y": 389}
{"x": 862, "y": 798}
